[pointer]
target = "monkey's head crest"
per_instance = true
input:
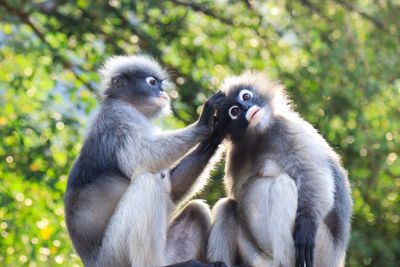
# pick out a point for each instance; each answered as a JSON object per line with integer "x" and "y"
{"x": 271, "y": 90}
{"x": 139, "y": 80}
{"x": 251, "y": 102}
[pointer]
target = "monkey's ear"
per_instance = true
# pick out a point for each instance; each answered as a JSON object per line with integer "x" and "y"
{"x": 119, "y": 80}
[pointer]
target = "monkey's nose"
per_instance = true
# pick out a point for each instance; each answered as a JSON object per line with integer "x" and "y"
{"x": 247, "y": 106}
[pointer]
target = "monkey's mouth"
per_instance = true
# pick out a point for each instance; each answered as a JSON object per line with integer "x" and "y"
{"x": 162, "y": 101}
{"x": 254, "y": 115}
{"x": 164, "y": 96}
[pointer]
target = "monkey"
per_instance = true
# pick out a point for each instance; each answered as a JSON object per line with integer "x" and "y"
{"x": 288, "y": 197}
{"x": 120, "y": 195}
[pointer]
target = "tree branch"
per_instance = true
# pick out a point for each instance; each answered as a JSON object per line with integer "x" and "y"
{"x": 147, "y": 43}
{"x": 379, "y": 24}
{"x": 203, "y": 9}
{"x": 316, "y": 9}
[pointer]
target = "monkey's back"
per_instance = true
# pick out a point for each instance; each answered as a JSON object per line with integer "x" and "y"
{"x": 96, "y": 181}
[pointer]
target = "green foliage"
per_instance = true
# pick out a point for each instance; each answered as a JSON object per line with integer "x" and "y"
{"x": 339, "y": 60}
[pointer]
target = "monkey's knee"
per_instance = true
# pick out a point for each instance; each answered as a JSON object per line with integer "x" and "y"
{"x": 222, "y": 242}
{"x": 225, "y": 207}
{"x": 198, "y": 211}
{"x": 188, "y": 233}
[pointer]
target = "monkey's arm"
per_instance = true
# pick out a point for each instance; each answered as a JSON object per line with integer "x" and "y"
{"x": 184, "y": 175}
{"x": 161, "y": 151}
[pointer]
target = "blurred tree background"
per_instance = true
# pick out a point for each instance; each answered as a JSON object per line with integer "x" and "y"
{"x": 340, "y": 61}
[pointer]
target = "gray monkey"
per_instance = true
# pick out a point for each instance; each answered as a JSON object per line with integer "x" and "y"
{"x": 289, "y": 201}
{"x": 119, "y": 198}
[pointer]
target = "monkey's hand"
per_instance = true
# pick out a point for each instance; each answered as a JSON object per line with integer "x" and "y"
{"x": 207, "y": 119}
{"x": 212, "y": 142}
{"x": 304, "y": 241}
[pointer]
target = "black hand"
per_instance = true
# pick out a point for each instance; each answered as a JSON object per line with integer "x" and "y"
{"x": 212, "y": 142}
{"x": 207, "y": 116}
{"x": 304, "y": 241}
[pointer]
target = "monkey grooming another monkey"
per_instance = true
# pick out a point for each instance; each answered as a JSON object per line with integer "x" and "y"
{"x": 119, "y": 198}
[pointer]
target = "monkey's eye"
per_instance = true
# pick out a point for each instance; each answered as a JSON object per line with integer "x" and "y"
{"x": 151, "y": 81}
{"x": 245, "y": 95}
{"x": 234, "y": 112}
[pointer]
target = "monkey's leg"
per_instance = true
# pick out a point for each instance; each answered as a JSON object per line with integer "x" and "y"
{"x": 249, "y": 253}
{"x": 282, "y": 203}
{"x": 222, "y": 243}
{"x": 188, "y": 233}
{"x": 270, "y": 207}
{"x": 138, "y": 227}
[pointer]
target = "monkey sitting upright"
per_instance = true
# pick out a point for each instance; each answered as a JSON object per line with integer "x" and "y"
{"x": 289, "y": 200}
{"x": 118, "y": 202}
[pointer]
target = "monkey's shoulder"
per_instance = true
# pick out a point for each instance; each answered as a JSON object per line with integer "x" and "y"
{"x": 296, "y": 136}
{"x": 117, "y": 112}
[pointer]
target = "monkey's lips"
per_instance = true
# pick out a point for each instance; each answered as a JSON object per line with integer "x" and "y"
{"x": 162, "y": 101}
{"x": 254, "y": 115}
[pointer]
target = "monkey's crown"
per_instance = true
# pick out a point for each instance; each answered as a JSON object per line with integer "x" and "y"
{"x": 117, "y": 65}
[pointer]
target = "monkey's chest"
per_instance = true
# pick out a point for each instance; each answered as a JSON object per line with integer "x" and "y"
{"x": 244, "y": 167}
{"x": 254, "y": 208}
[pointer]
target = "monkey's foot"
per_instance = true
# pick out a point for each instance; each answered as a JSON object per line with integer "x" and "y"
{"x": 195, "y": 263}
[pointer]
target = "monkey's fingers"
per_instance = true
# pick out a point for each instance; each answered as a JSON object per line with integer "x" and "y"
{"x": 216, "y": 99}
{"x": 300, "y": 255}
{"x": 309, "y": 256}
{"x": 217, "y": 264}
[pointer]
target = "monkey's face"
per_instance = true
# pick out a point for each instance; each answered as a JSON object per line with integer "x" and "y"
{"x": 243, "y": 111}
{"x": 145, "y": 90}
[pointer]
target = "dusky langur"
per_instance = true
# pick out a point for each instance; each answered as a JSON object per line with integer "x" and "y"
{"x": 119, "y": 197}
{"x": 288, "y": 198}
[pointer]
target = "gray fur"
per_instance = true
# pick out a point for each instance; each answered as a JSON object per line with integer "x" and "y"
{"x": 323, "y": 194}
{"x": 222, "y": 245}
{"x": 117, "y": 205}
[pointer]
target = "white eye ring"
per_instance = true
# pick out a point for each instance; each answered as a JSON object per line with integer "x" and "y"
{"x": 234, "y": 112}
{"x": 151, "y": 81}
{"x": 245, "y": 95}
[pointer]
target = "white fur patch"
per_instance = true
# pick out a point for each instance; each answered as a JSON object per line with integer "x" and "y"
{"x": 138, "y": 225}
{"x": 271, "y": 168}
{"x": 270, "y": 208}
